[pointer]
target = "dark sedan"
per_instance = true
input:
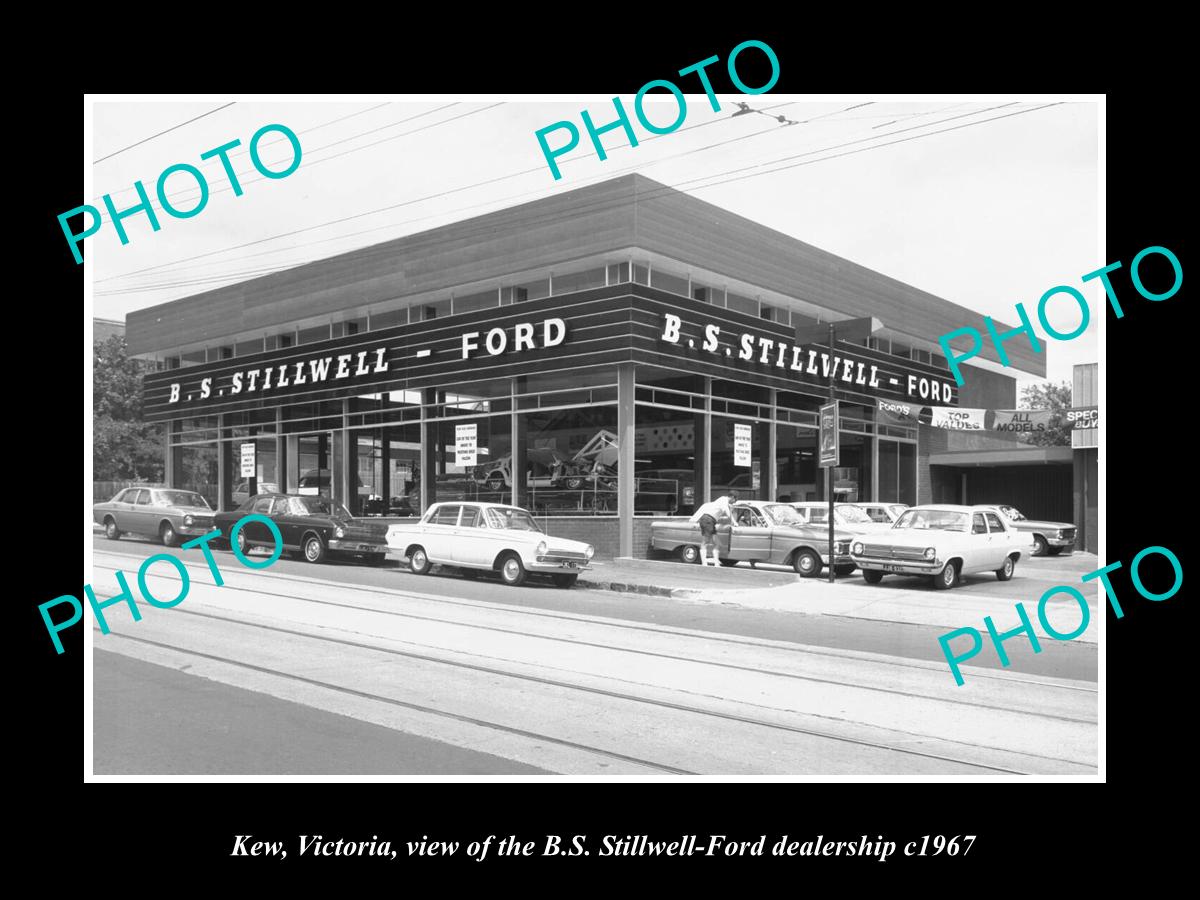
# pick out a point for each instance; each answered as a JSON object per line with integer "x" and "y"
{"x": 316, "y": 527}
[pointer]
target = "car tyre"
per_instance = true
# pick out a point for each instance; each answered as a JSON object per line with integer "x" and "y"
{"x": 243, "y": 547}
{"x": 871, "y": 576}
{"x": 418, "y": 561}
{"x": 111, "y": 531}
{"x": 167, "y": 535}
{"x": 1005, "y": 572}
{"x": 689, "y": 553}
{"x": 947, "y": 578}
{"x": 807, "y": 564}
{"x": 512, "y": 570}
{"x": 1039, "y": 545}
{"x": 564, "y": 581}
{"x": 314, "y": 549}
{"x": 574, "y": 483}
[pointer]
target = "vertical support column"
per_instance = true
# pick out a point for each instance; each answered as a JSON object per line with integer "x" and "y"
{"x": 519, "y": 460}
{"x": 224, "y": 466}
{"x": 704, "y": 448}
{"x": 281, "y": 461}
{"x": 339, "y": 476}
{"x": 173, "y": 464}
{"x": 291, "y": 480}
{"x": 770, "y": 474}
{"x": 625, "y": 457}
{"x": 385, "y": 468}
{"x": 428, "y": 463}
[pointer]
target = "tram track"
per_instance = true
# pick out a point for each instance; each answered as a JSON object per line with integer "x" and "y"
{"x": 491, "y": 670}
{"x": 622, "y": 625}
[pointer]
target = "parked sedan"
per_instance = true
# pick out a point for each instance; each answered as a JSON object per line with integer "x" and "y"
{"x": 846, "y": 516}
{"x": 317, "y": 527}
{"x": 167, "y": 514}
{"x": 760, "y": 532}
{"x": 944, "y": 542}
{"x": 1049, "y": 538}
{"x": 488, "y": 537}
{"x": 886, "y": 513}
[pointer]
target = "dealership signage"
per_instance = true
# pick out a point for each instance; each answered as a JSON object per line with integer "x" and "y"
{"x": 814, "y": 365}
{"x": 466, "y": 445}
{"x": 830, "y": 441}
{"x": 741, "y": 445}
{"x": 247, "y": 469}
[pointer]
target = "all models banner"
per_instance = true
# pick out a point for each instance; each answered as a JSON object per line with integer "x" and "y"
{"x": 1022, "y": 421}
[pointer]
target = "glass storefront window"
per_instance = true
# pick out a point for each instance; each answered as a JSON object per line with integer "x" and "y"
{"x": 490, "y": 479}
{"x": 746, "y": 477}
{"x": 897, "y": 472}
{"x": 799, "y": 477}
{"x": 198, "y": 471}
{"x": 571, "y": 460}
{"x": 388, "y": 462}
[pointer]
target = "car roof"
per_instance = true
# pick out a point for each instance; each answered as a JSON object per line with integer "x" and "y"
{"x": 953, "y": 507}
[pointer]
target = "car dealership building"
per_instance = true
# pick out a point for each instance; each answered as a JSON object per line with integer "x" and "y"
{"x": 629, "y": 347}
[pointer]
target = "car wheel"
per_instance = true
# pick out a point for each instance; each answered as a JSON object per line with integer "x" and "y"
{"x": 871, "y": 576}
{"x": 730, "y": 562}
{"x": 243, "y": 547}
{"x": 418, "y": 561}
{"x": 167, "y": 535}
{"x": 564, "y": 581}
{"x": 1005, "y": 572}
{"x": 314, "y": 549}
{"x": 111, "y": 531}
{"x": 947, "y": 578}
{"x": 574, "y": 483}
{"x": 512, "y": 570}
{"x": 1039, "y": 545}
{"x": 1054, "y": 551}
{"x": 689, "y": 553}
{"x": 495, "y": 484}
{"x": 807, "y": 564}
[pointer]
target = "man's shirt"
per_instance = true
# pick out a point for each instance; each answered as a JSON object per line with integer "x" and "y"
{"x": 715, "y": 508}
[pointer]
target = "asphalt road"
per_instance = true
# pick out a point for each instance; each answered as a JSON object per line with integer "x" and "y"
{"x": 152, "y": 720}
{"x": 1072, "y": 659}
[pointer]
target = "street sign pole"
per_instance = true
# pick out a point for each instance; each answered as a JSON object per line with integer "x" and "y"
{"x": 829, "y": 469}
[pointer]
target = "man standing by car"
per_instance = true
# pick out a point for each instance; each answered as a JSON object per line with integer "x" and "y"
{"x": 707, "y": 517}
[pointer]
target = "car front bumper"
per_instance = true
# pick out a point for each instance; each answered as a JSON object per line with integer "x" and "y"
{"x": 195, "y": 528}
{"x": 353, "y": 546}
{"x": 1060, "y": 542}
{"x": 900, "y": 567}
{"x": 559, "y": 564}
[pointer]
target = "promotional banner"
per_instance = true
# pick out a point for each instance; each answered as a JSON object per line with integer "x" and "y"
{"x": 829, "y": 435}
{"x": 891, "y": 412}
{"x": 247, "y": 456}
{"x": 1022, "y": 421}
{"x": 1083, "y": 417}
{"x": 465, "y": 445}
{"x": 958, "y": 419}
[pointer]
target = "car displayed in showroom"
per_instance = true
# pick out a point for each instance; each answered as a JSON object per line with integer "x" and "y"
{"x": 315, "y": 527}
{"x": 847, "y": 517}
{"x": 168, "y": 514}
{"x": 487, "y": 537}
{"x": 1049, "y": 538}
{"x": 760, "y": 532}
{"x": 886, "y": 513}
{"x": 943, "y": 543}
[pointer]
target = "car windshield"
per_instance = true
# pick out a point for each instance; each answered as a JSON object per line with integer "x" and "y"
{"x": 851, "y": 515}
{"x": 1013, "y": 513}
{"x": 182, "y": 498}
{"x": 934, "y": 520}
{"x": 782, "y": 514}
{"x": 316, "y": 506}
{"x": 897, "y": 510}
{"x": 511, "y": 518}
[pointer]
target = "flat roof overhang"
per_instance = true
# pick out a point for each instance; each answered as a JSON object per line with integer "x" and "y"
{"x": 1024, "y": 456}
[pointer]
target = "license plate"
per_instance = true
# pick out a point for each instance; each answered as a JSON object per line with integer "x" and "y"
{"x": 891, "y": 568}
{"x": 572, "y": 565}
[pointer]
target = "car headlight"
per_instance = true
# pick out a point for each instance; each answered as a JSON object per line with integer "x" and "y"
{"x": 590, "y": 551}
{"x": 1058, "y": 534}
{"x": 339, "y": 532}
{"x": 931, "y": 553}
{"x": 857, "y": 549}
{"x": 541, "y": 548}
{"x": 188, "y": 520}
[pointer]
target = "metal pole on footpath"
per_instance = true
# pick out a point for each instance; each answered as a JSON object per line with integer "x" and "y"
{"x": 829, "y": 469}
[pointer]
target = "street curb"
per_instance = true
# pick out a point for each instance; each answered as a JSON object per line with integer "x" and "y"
{"x": 647, "y": 589}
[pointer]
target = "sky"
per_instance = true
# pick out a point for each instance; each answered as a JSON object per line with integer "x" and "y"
{"x": 983, "y": 201}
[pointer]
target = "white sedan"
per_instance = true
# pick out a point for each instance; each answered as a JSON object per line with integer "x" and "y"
{"x": 945, "y": 542}
{"x": 487, "y": 537}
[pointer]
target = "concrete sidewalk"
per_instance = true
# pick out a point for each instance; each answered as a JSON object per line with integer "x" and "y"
{"x": 848, "y": 597}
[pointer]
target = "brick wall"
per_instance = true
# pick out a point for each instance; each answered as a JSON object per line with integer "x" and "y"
{"x": 601, "y": 532}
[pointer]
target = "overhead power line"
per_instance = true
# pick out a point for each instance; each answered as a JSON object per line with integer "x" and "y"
{"x": 600, "y": 205}
{"x": 161, "y": 133}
